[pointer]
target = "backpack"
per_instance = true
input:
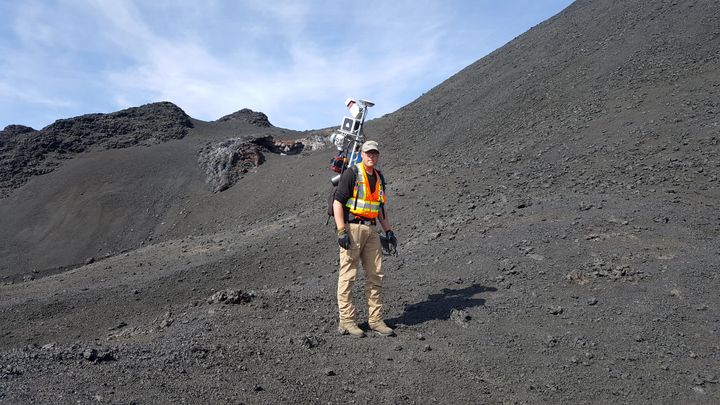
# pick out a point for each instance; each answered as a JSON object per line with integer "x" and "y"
{"x": 331, "y": 199}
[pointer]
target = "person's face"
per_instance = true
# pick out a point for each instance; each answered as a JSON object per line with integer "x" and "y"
{"x": 370, "y": 158}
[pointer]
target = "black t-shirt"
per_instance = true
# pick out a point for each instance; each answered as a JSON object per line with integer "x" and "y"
{"x": 345, "y": 188}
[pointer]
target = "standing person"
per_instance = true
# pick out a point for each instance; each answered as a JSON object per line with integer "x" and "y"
{"x": 358, "y": 206}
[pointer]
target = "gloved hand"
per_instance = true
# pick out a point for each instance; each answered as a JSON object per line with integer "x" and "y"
{"x": 343, "y": 238}
{"x": 392, "y": 240}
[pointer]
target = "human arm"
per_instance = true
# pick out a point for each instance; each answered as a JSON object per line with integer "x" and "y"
{"x": 342, "y": 194}
{"x": 385, "y": 224}
{"x": 339, "y": 215}
{"x": 385, "y": 221}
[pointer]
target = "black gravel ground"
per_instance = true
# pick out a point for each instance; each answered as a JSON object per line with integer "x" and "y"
{"x": 556, "y": 205}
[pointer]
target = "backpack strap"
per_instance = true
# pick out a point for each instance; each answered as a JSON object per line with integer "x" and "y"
{"x": 381, "y": 184}
{"x": 355, "y": 170}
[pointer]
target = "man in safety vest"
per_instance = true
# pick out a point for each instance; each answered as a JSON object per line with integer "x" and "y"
{"x": 358, "y": 206}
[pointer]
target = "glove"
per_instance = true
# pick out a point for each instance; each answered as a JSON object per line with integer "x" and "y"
{"x": 343, "y": 238}
{"x": 392, "y": 240}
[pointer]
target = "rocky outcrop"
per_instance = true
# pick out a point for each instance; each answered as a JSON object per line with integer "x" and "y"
{"x": 25, "y": 152}
{"x": 226, "y": 162}
{"x": 12, "y": 130}
{"x": 248, "y": 116}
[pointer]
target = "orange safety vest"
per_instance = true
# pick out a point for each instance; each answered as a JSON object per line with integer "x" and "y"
{"x": 363, "y": 203}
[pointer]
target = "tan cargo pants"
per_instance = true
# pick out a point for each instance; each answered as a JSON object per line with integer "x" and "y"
{"x": 364, "y": 247}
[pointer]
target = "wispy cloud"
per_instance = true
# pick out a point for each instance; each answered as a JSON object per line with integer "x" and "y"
{"x": 294, "y": 60}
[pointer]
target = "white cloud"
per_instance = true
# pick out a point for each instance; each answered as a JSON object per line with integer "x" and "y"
{"x": 294, "y": 60}
{"x": 208, "y": 86}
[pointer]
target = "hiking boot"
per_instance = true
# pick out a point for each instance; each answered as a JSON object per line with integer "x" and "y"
{"x": 350, "y": 328}
{"x": 381, "y": 329}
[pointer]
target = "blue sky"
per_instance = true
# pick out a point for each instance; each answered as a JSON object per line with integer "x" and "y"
{"x": 296, "y": 60}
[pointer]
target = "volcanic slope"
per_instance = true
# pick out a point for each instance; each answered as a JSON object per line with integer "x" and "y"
{"x": 111, "y": 191}
{"x": 556, "y": 206}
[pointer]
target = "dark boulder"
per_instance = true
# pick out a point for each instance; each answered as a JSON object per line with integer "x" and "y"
{"x": 248, "y": 116}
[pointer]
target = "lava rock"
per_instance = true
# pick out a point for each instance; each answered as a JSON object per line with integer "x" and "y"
{"x": 231, "y": 296}
{"x": 460, "y": 317}
{"x": 26, "y": 152}
{"x": 556, "y": 310}
{"x": 249, "y": 116}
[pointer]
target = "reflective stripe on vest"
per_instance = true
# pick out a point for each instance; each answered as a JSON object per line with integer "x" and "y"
{"x": 363, "y": 203}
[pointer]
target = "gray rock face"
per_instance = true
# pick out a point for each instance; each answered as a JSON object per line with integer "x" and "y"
{"x": 226, "y": 162}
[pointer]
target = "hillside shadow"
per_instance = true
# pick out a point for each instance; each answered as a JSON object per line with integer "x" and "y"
{"x": 439, "y": 306}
